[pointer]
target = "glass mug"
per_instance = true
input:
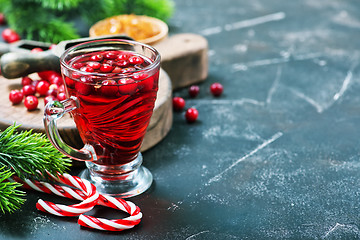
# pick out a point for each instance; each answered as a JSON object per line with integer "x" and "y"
{"x": 111, "y": 87}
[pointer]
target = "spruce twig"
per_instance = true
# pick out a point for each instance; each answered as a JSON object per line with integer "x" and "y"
{"x": 28, "y": 155}
{"x": 10, "y": 197}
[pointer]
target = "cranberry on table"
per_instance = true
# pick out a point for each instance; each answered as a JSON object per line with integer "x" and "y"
{"x": 29, "y": 90}
{"x": 191, "y": 115}
{"x": 16, "y": 96}
{"x": 42, "y": 87}
{"x": 194, "y": 90}
{"x": 26, "y": 81}
{"x": 216, "y": 89}
{"x": 10, "y": 35}
{"x": 31, "y": 102}
{"x": 178, "y": 103}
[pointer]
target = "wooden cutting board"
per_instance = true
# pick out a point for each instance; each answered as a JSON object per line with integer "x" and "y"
{"x": 159, "y": 126}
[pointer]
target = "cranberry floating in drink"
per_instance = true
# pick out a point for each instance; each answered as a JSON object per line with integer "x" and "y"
{"x": 111, "y": 103}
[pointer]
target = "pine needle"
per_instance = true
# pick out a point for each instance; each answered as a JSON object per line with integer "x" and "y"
{"x": 10, "y": 197}
{"x": 28, "y": 155}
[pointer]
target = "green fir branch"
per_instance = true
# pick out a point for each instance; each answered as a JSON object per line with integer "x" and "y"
{"x": 59, "y": 5}
{"x": 11, "y": 198}
{"x": 30, "y": 154}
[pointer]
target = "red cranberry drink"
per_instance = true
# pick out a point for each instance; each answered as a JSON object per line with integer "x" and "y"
{"x": 114, "y": 110}
{"x": 111, "y": 87}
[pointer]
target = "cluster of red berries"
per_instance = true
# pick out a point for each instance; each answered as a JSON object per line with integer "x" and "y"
{"x": 50, "y": 86}
{"x": 192, "y": 113}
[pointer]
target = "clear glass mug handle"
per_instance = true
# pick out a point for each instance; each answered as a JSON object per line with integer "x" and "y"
{"x": 54, "y": 110}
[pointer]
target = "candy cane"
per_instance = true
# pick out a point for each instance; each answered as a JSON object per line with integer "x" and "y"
{"x": 80, "y": 194}
{"x": 117, "y": 224}
{"x": 73, "y": 210}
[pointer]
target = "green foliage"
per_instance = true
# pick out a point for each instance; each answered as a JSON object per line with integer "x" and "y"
{"x": 10, "y": 197}
{"x": 53, "y": 20}
{"x": 28, "y": 155}
{"x": 59, "y": 5}
{"x": 162, "y": 9}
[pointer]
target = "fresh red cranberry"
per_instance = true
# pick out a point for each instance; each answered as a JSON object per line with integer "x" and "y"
{"x": 76, "y": 75}
{"x": 54, "y": 77}
{"x": 10, "y": 35}
{"x": 62, "y": 88}
{"x": 128, "y": 69}
{"x": 78, "y": 65}
{"x": 123, "y": 56}
{"x": 26, "y": 81}
{"x": 178, "y": 103}
{"x": 110, "y": 55}
{"x": 94, "y": 65}
{"x": 194, "y": 91}
{"x": 216, "y": 89}
{"x": 45, "y": 74}
{"x": 83, "y": 86}
{"x": 57, "y": 80}
{"x": 105, "y": 68}
{"x": 122, "y": 63}
{"x": 87, "y": 69}
{"x": 29, "y": 90}
{"x": 16, "y": 96}
{"x": 2, "y": 19}
{"x": 96, "y": 57}
{"x": 136, "y": 60}
{"x": 52, "y": 92}
{"x": 31, "y": 102}
{"x": 49, "y": 99}
{"x": 37, "y": 49}
{"x": 116, "y": 70}
{"x": 61, "y": 96}
{"x": 140, "y": 76}
{"x": 42, "y": 87}
{"x": 109, "y": 88}
{"x": 128, "y": 86}
{"x": 191, "y": 115}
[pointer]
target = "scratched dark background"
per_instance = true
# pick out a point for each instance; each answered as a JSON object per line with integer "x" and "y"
{"x": 275, "y": 157}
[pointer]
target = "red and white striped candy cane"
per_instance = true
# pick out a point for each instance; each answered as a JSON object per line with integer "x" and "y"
{"x": 88, "y": 202}
{"x": 105, "y": 200}
{"x": 116, "y": 224}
